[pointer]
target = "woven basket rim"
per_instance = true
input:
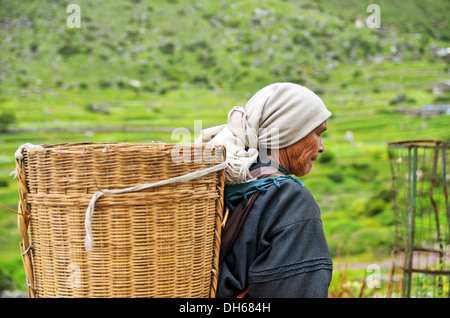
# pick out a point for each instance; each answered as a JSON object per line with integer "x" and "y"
{"x": 73, "y": 150}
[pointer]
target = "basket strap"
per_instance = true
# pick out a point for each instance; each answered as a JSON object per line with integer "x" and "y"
{"x": 236, "y": 219}
{"x": 88, "y": 243}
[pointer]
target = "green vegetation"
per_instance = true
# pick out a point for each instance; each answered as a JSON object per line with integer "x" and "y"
{"x": 163, "y": 64}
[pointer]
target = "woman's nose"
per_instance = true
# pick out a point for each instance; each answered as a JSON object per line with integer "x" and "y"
{"x": 321, "y": 147}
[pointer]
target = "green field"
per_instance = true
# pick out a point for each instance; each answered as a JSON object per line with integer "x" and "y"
{"x": 164, "y": 65}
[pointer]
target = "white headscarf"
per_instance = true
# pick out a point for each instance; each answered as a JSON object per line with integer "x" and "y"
{"x": 276, "y": 117}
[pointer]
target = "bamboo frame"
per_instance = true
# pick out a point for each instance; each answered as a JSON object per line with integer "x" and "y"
{"x": 421, "y": 248}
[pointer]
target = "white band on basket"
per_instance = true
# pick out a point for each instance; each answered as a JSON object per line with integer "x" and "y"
{"x": 19, "y": 155}
{"x": 88, "y": 243}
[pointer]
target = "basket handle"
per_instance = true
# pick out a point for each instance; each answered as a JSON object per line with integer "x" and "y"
{"x": 88, "y": 243}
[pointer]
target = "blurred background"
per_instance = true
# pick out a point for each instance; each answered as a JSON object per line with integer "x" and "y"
{"x": 135, "y": 70}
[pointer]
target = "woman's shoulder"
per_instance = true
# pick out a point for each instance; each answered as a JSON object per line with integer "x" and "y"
{"x": 292, "y": 188}
{"x": 287, "y": 188}
{"x": 286, "y": 204}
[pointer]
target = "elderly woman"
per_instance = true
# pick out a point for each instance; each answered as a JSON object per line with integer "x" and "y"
{"x": 273, "y": 244}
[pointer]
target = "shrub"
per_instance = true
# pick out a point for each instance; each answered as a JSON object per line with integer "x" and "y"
{"x": 6, "y": 119}
{"x": 326, "y": 157}
{"x": 336, "y": 177}
{"x": 374, "y": 207}
{"x": 6, "y": 283}
{"x": 104, "y": 84}
{"x": 167, "y": 48}
{"x": 68, "y": 50}
{"x": 442, "y": 99}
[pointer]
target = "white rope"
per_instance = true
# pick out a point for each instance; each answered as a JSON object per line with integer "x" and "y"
{"x": 19, "y": 154}
{"x": 88, "y": 243}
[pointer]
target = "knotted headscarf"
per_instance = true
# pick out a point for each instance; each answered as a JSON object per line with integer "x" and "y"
{"x": 276, "y": 117}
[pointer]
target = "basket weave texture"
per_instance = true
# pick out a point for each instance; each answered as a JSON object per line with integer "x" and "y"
{"x": 157, "y": 242}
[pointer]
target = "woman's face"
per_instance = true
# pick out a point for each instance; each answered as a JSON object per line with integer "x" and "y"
{"x": 300, "y": 156}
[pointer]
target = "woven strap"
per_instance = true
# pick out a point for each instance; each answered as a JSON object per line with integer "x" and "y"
{"x": 88, "y": 243}
{"x": 237, "y": 218}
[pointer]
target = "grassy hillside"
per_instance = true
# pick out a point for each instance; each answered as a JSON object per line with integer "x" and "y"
{"x": 179, "y": 44}
{"x": 161, "y": 65}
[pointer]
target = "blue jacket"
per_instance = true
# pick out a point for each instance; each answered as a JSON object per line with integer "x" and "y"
{"x": 281, "y": 250}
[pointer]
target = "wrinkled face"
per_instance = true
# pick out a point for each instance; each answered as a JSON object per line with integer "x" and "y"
{"x": 301, "y": 156}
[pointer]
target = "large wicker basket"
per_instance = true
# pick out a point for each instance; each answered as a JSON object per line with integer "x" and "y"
{"x": 160, "y": 241}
